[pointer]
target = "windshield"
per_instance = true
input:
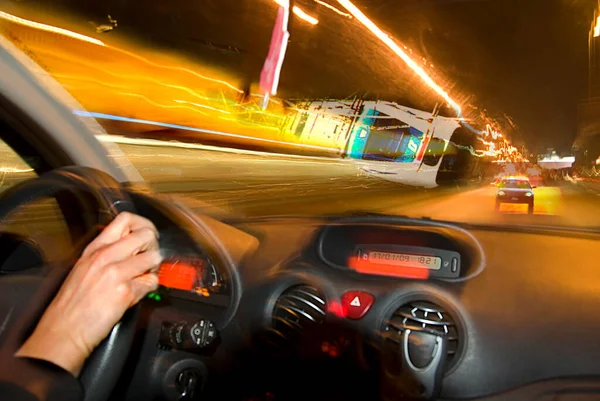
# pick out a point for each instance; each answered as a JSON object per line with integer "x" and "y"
{"x": 271, "y": 107}
{"x": 514, "y": 184}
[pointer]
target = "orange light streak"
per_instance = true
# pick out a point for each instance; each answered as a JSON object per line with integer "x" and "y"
{"x": 370, "y": 25}
{"x": 163, "y": 106}
{"x": 74, "y": 35}
{"x": 299, "y": 12}
{"x": 332, "y": 8}
{"x": 49, "y": 28}
{"x": 181, "y": 69}
{"x": 203, "y": 106}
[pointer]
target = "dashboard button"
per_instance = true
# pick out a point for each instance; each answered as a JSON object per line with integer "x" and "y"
{"x": 356, "y": 304}
{"x": 454, "y": 265}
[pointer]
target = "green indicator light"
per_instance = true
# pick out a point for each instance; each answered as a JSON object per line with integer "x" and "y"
{"x": 154, "y": 295}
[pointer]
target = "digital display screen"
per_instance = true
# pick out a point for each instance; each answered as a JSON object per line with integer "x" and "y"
{"x": 403, "y": 259}
{"x": 183, "y": 276}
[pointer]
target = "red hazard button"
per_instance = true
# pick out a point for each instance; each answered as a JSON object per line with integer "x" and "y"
{"x": 356, "y": 304}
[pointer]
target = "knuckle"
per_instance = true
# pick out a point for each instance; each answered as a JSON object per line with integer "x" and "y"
{"x": 121, "y": 219}
{"x": 147, "y": 224}
{"x": 98, "y": 259}
{"x": 148, "y": 233}
{"x": 147, "y": 238}
{"x": 151, "y": 283}
{"x": 112, "y": 273}
{"x": 156, "y": 257}
{"x": 124, "y": 291}
{"x": 144, "y": 221}
{"x": 152, "y": 260}
{"x": 124, "y": 216}
{"x": 153, "y": 280}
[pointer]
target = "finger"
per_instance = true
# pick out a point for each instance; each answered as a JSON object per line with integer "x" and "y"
{"x": 133, "y": 244}
{"x": 121, "y": 226}
{"x": 142, "y": 285}
{"x": 140, "y": 264}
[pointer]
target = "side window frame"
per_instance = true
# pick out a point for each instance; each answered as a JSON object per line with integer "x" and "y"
{"x": 31, "y": 145}
{"x": 22, "y": 148}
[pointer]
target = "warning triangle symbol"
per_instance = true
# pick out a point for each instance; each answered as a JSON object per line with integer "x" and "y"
{"x": 355, "y": 301}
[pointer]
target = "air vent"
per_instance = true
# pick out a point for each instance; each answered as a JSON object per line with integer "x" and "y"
{"x": 297, "y": 310}
{"x": 424, "y": 316}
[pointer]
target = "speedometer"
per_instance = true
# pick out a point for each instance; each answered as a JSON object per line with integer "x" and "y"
{"x": 196, "y": 275}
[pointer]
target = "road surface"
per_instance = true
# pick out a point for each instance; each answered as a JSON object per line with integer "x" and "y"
{"x": 247, "y": 184}
{"x": 258, "y": 185}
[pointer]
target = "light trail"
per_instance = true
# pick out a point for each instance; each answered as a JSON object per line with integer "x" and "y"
{"x": 49, "y": 28}
{"x": 271, "y": 100}
{"x": 112, "y": 117}
{"x": 298, "y": 12}
{"x": 334, "y": 9}
{"x": 15, "y": 170}
{"x": 126, "y": 77}
{"x": 202, "y": 106}
{"x": 67, "y": 77}
{"x": 249, "y": 123}
{"x": 115, "y": 86}
{"x": 162, "y": 106}
{"x": 74, "y": 35}
{"x": 304, "y": 16}
{"x": 370, "y": 25}
{"x": 181, "y": 69}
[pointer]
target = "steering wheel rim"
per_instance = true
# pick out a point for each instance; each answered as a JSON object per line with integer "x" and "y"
{"x": 103, "y": 368}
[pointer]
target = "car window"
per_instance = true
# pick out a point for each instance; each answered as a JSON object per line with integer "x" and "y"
{"x": 271, "y": 107}
{"x": 435, "y": 150}
{"x": 40, "y": 221}
{"x": 514, "y": 184}
{"x": 12, "y": 168}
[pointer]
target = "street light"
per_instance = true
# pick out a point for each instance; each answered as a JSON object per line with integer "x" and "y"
{"x": 594, "y": 32}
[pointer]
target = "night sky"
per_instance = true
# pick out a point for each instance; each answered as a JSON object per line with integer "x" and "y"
{"x": 522, "y": 59}
{"x": 520, "y": 63}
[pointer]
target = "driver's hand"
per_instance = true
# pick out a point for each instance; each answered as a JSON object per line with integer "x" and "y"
{"x": 115, "y": 271}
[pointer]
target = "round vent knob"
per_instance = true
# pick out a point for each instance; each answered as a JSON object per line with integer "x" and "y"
{"x": 298, "y": 309}
{"x": 424, "y": 316}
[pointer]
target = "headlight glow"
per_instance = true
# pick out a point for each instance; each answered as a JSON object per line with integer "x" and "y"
{"x": 501, "y": 193}
{"x": 529, "y": 194}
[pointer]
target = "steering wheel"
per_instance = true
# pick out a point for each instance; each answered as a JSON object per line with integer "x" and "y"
{"x": 25, "y": 296}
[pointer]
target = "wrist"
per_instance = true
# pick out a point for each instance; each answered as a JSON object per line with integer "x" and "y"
{"x": 55, "y": 348}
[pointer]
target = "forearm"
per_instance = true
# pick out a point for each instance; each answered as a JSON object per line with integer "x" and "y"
{"x": 52, "y": 346}
{"x": 25, "y": 379}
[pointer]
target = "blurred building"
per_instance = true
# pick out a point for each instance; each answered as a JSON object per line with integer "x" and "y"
{"x": 553, "y": 161}
{"x": 587, "y": 142}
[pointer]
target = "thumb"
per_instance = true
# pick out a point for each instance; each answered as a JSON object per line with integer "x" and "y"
{"x": 142, "y": 285}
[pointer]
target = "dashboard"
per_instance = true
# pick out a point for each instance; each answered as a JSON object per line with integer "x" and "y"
{"x": 367, "y": 307}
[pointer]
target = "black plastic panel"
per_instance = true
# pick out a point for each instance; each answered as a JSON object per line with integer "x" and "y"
{"x": 524, "y": 309}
